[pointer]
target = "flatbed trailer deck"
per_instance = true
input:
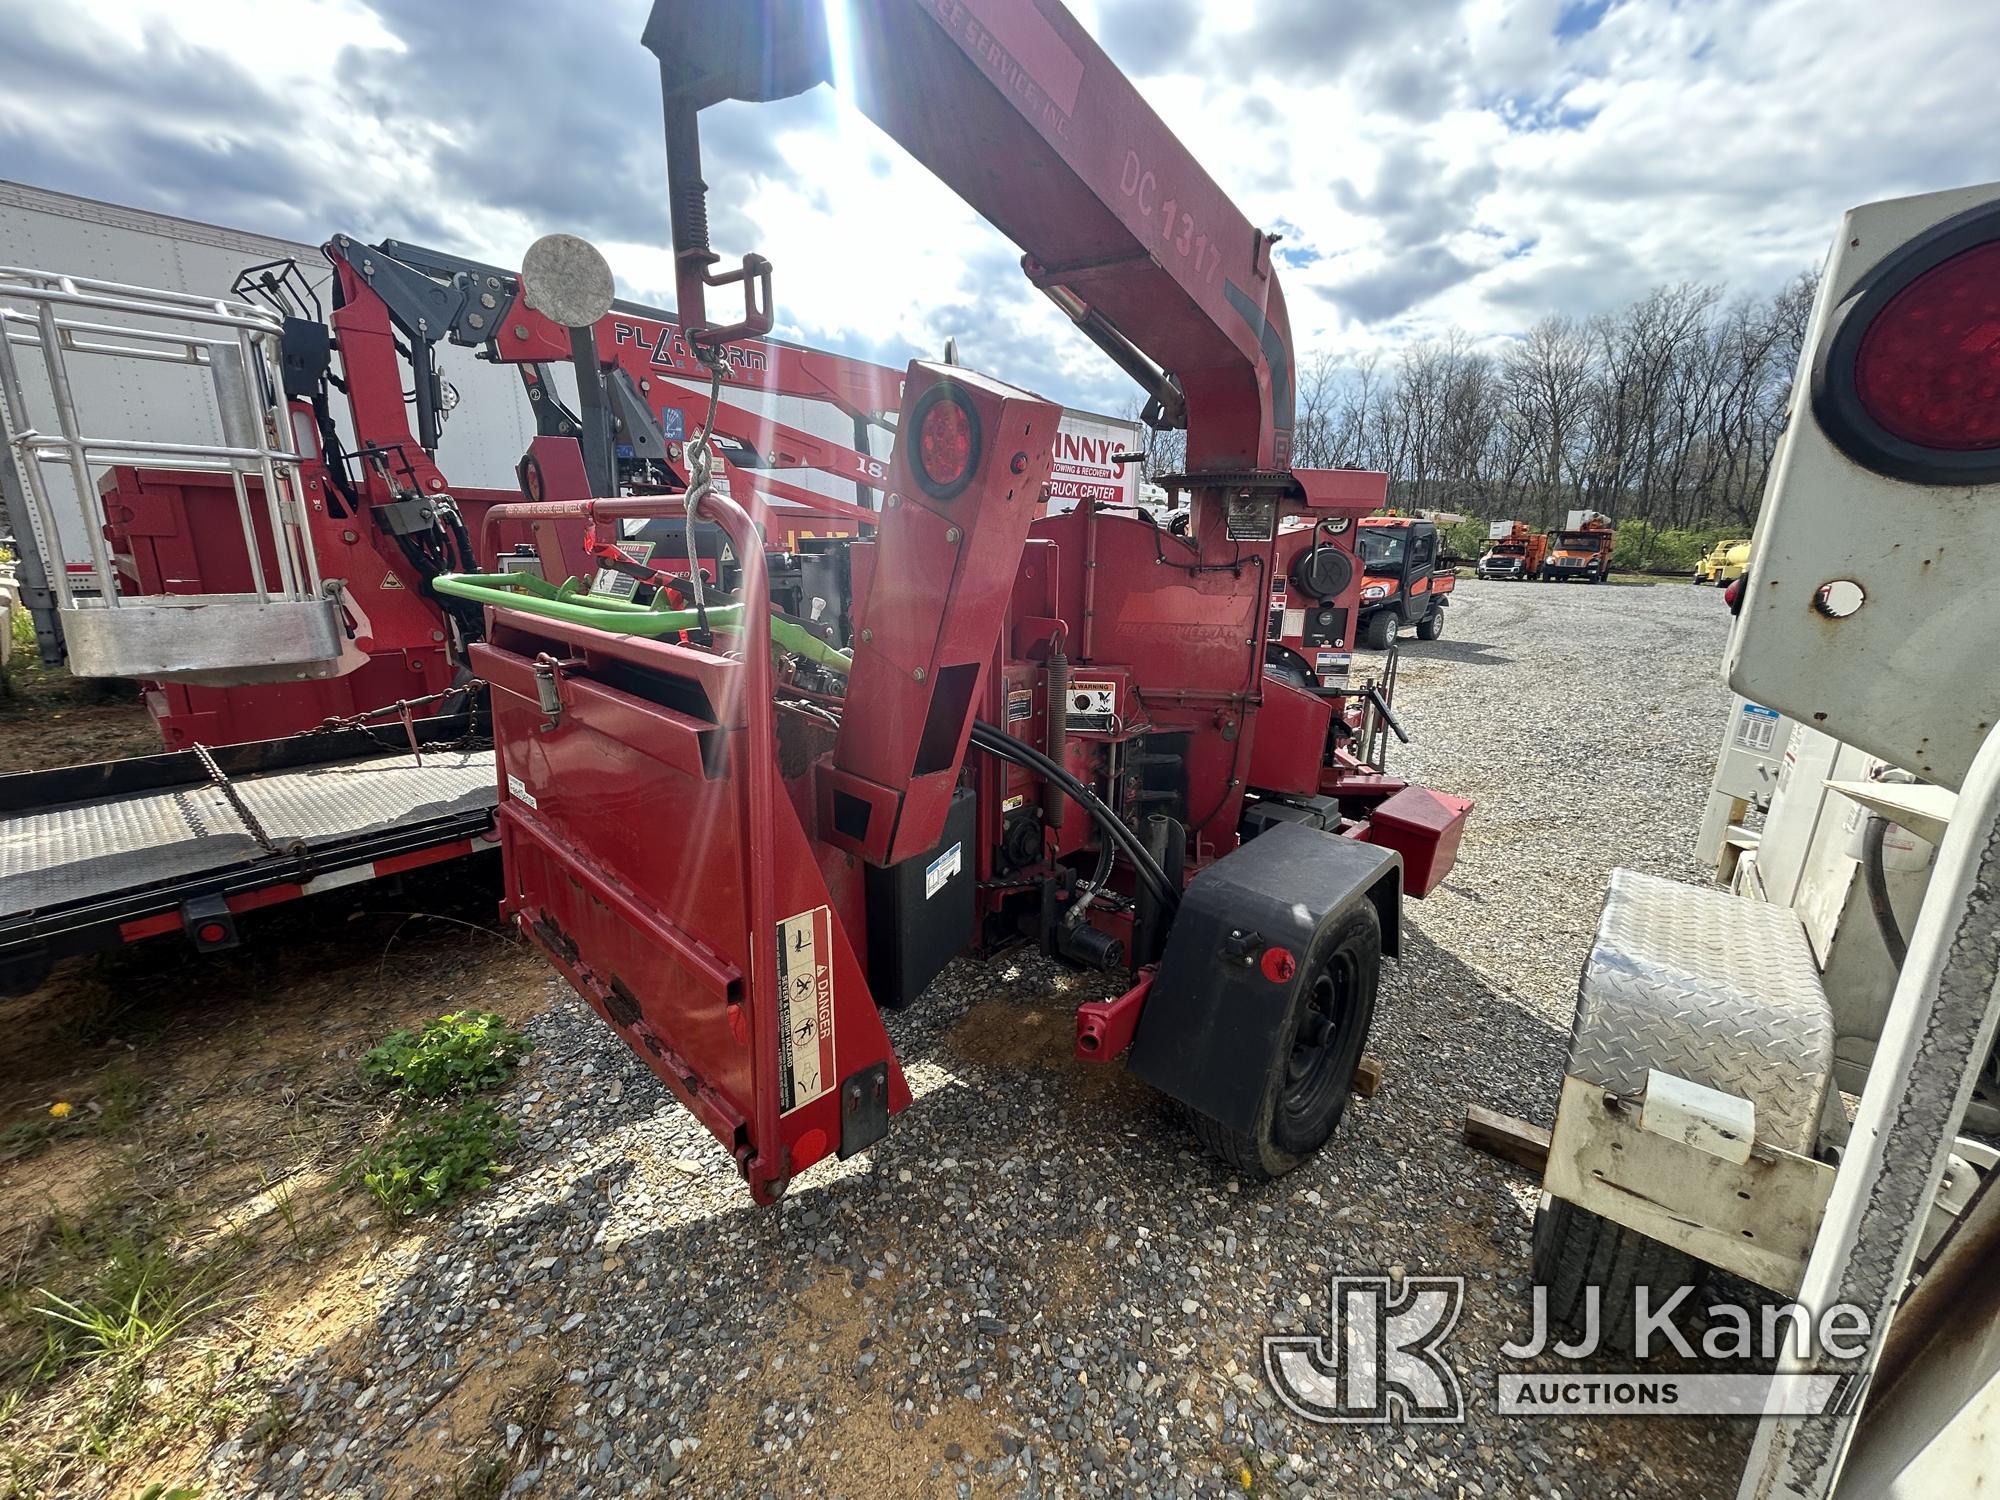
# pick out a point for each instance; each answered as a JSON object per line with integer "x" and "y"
{"x": 94, "y": 856}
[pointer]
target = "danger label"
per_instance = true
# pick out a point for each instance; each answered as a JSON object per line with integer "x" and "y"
{"x": 622, "y": 585}
{"x": 805, "y": 1008}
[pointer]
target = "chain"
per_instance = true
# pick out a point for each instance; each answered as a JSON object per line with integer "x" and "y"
{"x": 242, "y": 809}
{"x": 395, "y": 710}
{"x": 701, "y": 478}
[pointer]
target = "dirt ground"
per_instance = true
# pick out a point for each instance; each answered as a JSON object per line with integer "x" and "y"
{"x": 211, "y": 1103}
{"x": 49, "y": 718}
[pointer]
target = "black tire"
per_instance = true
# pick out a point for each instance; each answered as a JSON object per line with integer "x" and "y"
{"x": 1314, "y": 1078}
{"x": 1431, "y": 626}
{"x": 1576, "y": 1250}
{"x": 1378, "y": 632}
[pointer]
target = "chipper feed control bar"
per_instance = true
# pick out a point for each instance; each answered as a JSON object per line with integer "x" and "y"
{"x": 1163, "y": 790}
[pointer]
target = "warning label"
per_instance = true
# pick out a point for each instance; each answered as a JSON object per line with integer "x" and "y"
{"x": 622, "y": 585}
{"x": 805, "y": 1008}
{"x": 1757, "y": 728}
{"x": 941, "y": 869}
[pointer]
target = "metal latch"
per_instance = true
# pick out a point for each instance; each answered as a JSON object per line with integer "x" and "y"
{"x": 548, "y": 690}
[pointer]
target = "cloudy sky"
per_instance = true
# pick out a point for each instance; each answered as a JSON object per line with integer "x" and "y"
{"x": 1430, "y": 162}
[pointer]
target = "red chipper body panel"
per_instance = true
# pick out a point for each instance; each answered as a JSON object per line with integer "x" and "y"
{"x": 1123, "y": 735}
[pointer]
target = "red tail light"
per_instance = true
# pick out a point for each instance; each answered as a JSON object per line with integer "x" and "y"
{"x": 947, "y": 441}
{"x": 1928, "y": 368}
{"x": 1907, "y": 382}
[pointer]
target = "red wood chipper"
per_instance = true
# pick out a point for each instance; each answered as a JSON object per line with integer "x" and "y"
{"x": 1165, "y": 781}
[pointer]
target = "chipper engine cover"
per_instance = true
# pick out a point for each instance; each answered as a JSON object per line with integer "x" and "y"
{"x": 1257, "y": 1018}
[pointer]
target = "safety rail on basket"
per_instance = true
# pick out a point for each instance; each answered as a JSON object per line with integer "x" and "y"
{"x": 286, "y": 624}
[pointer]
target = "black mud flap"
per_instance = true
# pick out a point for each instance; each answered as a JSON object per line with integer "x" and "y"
{"x": 1210, "y": 1030}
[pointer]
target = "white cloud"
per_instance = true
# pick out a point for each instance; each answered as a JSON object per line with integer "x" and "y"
{"x": 1430, "y": 162}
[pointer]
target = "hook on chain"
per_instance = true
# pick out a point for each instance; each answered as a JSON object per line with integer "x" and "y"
{"x": 701, "y": 478}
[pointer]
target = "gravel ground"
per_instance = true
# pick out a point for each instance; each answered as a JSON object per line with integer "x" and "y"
{"x": 1036, "y": 1285}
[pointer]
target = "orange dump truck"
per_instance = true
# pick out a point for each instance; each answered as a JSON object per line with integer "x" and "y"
{"x": 1512, "y": 551}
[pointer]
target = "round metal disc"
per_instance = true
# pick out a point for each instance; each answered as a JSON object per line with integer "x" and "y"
{"x": 567, "y": 279}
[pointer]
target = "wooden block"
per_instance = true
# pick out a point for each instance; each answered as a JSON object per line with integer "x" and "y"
{"x": 1368, "y": 1075}
{"x": 1507, "y": 1138}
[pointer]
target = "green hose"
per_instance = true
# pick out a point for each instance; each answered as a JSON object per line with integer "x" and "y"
{"x": 571, "y": 603}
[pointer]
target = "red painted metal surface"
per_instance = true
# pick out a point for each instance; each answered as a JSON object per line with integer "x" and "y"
{"x": 1104, "y": 1027}
{"x": 1424, "y": 827}
{"x": 176, "y": 532}
{"x": 928, "y": 625}
{"x": 1107, "y": 205}
{"x": 1292, "y": 735}
{"x": 675, "y": 937}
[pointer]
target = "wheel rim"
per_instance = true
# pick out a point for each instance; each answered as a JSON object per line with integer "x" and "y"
{"x": 1318, "y": 1066}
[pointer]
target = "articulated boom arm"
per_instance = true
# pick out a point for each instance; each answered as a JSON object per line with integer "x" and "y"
{"x": 1014, "y": 106}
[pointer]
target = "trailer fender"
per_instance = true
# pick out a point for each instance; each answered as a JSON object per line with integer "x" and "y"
{"x": 1210, "y": 1034}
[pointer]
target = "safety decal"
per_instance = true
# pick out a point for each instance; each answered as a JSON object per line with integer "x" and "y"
{"x": 805, "y": 1008}
{"x": 941, "y": 869}
{"x": 1757, "y": 728}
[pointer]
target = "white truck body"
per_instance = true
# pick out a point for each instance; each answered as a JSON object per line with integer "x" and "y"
{"x": 1866, "y": 736}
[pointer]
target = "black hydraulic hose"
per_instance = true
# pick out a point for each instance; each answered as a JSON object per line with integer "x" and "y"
{"x": 1107, "y": 856}
{"x": 1876, "y": 877}
{"x": 1382, "y": 707}
{"x": 996, "y": 741}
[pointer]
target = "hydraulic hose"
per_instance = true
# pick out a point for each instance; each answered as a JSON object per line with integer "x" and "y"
{"x": 530, "y": 595}
{"x": 996, "y": 741}
{"x": 1107, "y": 856}
{"x": 1875, "y": 876}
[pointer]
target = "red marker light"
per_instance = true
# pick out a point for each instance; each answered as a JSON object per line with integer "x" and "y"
{"x": 947, "y": 444}
{"x": 947, "y": 441}
{"x": 1278, "y": 965}
{"x": 1928, "y": 366}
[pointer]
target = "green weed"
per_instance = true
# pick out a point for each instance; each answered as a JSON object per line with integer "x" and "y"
{"x": 434, "y": 1157}
{"x": 459, "y": 1053}
{"x": 138, "y": 1304}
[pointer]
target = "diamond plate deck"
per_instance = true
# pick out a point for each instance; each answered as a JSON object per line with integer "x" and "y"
{"x": 80, "y": 851}
{"x": 1714, "y": 988}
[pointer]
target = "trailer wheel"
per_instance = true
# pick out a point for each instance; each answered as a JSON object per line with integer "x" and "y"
{"x": 1576, "y": 1250}
{"x": 1319, "y": 1050}
{"x": 1379, "y": 633}
{"x": 1431, "y": 626}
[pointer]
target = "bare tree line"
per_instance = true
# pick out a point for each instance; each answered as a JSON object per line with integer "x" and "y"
{"x": 1665, "y": 411}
